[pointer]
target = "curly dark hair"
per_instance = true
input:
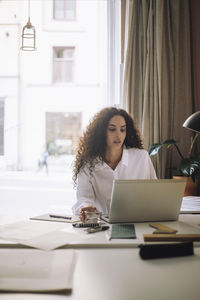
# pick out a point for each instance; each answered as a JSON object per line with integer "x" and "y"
{"x": 92, "y": 144}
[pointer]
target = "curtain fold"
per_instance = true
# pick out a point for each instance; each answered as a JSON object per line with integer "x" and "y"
{"x": 157, "y": 74}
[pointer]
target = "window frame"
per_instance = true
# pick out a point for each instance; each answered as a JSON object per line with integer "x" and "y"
{"x": 64, "y": 60}
{"x": 114, "y": 53}
{"x": 2, "y": 101}
{"x": 65, "y": 19}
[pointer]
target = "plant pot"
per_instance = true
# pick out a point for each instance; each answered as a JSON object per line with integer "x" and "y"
{"x": 191, "y": 188}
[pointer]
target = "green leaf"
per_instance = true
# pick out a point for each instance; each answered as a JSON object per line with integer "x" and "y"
{"x": 154, "y": 148}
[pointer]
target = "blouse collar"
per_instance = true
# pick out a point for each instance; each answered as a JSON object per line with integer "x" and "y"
{"x": 123, "y": 161}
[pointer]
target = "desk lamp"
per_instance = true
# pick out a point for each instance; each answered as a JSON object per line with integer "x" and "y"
{"x": 193, "y": 122}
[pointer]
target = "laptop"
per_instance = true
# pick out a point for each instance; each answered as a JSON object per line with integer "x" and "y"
{"x": 145, "y": 200}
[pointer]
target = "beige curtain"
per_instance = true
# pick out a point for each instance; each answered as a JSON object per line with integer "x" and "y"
{"x": 157, "y": 74}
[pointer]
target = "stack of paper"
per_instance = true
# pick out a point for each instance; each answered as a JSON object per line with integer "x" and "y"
{"x": 190, "y": 204}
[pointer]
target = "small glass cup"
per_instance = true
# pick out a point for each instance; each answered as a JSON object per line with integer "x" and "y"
{"x": 93, "y": 217}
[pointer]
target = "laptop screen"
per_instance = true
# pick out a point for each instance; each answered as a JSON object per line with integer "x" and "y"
{"x": 146, "y": 200}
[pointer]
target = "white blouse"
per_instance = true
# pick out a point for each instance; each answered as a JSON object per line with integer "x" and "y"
{"x": 95, "y": 189}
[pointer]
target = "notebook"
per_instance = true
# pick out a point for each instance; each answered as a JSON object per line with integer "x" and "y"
{"x": 122, "y": 231}
{"x": 145, "y": 200}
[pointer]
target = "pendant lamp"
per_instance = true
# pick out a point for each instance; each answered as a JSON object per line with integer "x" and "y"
{"x": 28, "y": 34}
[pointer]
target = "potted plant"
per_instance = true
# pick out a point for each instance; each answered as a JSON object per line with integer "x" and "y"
{"x": 187, "y": 166}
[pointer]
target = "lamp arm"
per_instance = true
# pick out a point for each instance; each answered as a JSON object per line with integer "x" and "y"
{"x": 193, "y": 141}
{"x": 179, "y": 152}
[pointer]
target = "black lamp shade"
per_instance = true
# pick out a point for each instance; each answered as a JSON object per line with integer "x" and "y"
{"x": 193, "y": 122}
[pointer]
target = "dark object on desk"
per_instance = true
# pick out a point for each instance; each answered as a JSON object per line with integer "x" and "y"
{"x": 97, "y": 229}
{"x": 60, "y": 217}
{"x": 166, "y": 250}
{"x": 84, "y": 225}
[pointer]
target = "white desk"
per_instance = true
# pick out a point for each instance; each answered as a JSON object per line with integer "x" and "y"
{"x": 114, "y": 274}
{"x": 77, "y": 238}
{"x": 120, "y": 274}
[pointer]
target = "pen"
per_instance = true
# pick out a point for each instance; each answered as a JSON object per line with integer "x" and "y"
{"x": 61, "y": 217}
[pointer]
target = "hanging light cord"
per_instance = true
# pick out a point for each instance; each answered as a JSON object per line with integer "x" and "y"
{"x": 29, "y": 10}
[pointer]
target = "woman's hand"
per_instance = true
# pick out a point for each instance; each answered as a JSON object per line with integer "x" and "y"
{"x": 85, "y": 210}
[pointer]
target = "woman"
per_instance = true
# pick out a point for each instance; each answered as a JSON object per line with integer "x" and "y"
{"x": 111, "y": 148}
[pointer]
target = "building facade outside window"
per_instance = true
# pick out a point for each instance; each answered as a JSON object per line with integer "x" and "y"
{"x": 63, "y": 64}
{"x": 64, "y": 10}
{"x": 63, "y": 130}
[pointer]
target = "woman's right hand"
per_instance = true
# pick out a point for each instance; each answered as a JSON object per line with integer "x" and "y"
{"x": 85, "y": 210}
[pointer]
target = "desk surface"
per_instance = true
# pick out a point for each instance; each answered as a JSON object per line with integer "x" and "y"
{"x": 76, "y": 238}
{"x": 116, "y": 274}
{"x": 70, "y": 237}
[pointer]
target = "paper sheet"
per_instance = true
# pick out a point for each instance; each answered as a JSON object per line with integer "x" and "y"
{"x": 53, "y": 240}
{"x": 41, "y": 235}
{"x": 36, "y": 271}
{"x": 26, "y": 230}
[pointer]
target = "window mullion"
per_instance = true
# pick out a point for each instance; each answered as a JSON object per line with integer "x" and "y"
{"x": 114, "y": 52}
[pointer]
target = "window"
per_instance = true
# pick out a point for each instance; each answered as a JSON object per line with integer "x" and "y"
{"x": 1, "y": 127}
{"x": 63, "y": 64}
{"x": 63, "y": 130}
{"x": 64, "y": 10}
{"x": 80, "y": 72}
